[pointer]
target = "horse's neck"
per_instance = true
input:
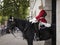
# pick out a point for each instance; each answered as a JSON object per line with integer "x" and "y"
{"x": 19, "y": 24}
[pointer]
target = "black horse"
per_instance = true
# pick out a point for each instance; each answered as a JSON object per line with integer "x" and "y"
{"x": 28, "y": 29}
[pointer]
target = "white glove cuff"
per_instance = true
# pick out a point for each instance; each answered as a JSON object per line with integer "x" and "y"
{"x": 34, "y": 19}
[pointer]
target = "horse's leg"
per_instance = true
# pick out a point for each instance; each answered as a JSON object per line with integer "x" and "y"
{"x": 30, "y": 42}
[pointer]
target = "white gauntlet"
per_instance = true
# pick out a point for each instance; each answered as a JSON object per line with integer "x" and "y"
{"x": 33, "y": 20}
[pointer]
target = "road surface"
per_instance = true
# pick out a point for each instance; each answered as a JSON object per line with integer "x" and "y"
{"x": 9, "y": 39}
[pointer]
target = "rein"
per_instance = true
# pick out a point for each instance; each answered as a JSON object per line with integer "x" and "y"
{"x": 25, "y": 29}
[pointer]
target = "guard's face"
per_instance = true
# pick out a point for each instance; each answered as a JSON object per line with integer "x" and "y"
{"x": 40, "y": 7}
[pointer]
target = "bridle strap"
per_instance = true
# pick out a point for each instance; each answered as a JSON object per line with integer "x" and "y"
{"x": 25, "y": 29}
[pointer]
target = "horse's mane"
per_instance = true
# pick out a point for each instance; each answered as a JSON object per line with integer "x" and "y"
{"x": 21, "y": 21}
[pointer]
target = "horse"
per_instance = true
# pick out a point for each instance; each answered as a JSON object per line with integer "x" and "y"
{"x": 28, "y": 30}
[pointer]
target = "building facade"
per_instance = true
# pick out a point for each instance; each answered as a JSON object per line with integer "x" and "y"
{"x": 58, "y": 22}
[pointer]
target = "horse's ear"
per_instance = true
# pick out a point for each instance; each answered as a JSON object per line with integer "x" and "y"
{"x": 12, "y": 18}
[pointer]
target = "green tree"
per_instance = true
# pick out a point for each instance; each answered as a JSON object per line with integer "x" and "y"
{"x": 1, "y": 9}
{"x": 16, "y": 8}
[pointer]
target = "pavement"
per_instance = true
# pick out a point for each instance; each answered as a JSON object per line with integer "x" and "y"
{"x": 9, "y": 39}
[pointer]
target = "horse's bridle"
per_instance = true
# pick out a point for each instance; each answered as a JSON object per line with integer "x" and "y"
{"x": 12, "y": 22}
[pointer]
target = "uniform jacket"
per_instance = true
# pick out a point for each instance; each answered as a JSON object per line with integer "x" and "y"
{"x": 41, "y": 15}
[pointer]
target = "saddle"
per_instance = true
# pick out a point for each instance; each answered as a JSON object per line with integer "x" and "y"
{"x": 42, "y": 33}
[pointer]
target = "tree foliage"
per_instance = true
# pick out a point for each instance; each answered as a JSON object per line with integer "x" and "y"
{"x": 16, "y": 8}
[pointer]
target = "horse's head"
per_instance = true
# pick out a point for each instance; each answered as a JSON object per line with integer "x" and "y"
{"x": 13, "y": 22}
{"x": 10, "y": 24}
